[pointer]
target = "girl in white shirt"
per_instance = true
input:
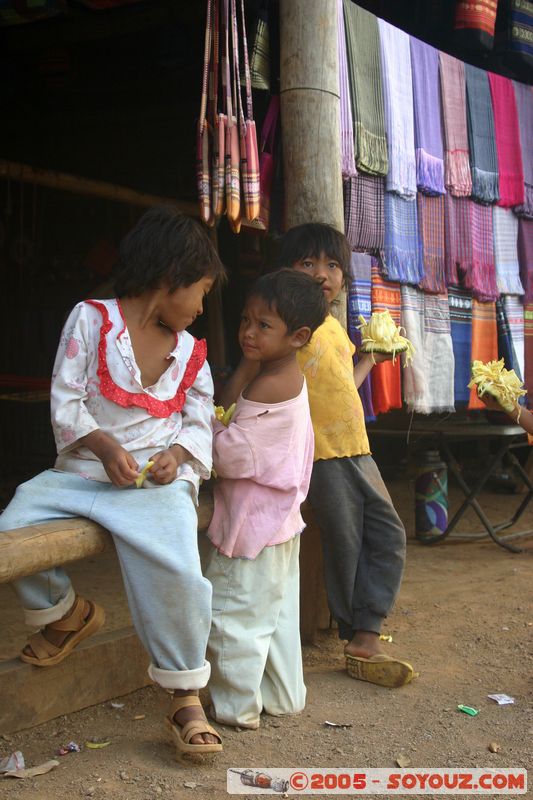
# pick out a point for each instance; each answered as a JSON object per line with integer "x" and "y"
{"x": 130, "y": 386}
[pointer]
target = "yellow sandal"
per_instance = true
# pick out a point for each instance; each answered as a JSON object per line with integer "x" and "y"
{"x": 78, "y": 626}
{"x": 182, "y": 734}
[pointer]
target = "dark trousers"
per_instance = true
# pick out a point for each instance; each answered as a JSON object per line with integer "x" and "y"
{"x": 363, "y": 541}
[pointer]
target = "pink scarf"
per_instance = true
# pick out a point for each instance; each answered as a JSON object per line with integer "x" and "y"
{"x": 507, "y": 135}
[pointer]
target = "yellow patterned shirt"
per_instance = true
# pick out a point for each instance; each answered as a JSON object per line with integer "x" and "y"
{"x": 336, "y": 408}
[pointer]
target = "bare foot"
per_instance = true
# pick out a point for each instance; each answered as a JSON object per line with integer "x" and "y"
{"x": 363, "y": 644}
{"x": 189, "y": 713}
{"x": 57, "y": 637}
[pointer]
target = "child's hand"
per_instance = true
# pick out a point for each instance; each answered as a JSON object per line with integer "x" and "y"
{"x": 120, "y": 466}
{"x": 165, "y": 467}
{"x": 492, "y": 404}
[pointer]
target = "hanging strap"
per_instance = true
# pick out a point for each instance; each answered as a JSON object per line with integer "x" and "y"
{"x": 213, "y": 89}
{"x": 207, "y": 50}
{"x": 226, "y": 75}
{"x": 237, "y": 97}
{"x": 247, "y": 76}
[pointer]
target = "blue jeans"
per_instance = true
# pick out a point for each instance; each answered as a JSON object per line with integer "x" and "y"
{"x": 155, "y": 535}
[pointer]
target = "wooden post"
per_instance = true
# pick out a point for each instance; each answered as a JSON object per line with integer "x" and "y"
{"x": 310, "y": 126}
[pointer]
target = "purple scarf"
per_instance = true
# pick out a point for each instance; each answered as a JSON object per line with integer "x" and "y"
{"x": 524, "y": 105}
{"x": 428, "y": 126}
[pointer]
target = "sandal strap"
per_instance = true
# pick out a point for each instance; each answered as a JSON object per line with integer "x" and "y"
{"x": 41, "y": 647}
{"x": 75, "y": 620}
{"x": 177, "y": 703}
{"x": 196, "y": 726}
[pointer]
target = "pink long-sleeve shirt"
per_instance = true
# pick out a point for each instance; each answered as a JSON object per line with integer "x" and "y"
{"x": 263, "y": 461}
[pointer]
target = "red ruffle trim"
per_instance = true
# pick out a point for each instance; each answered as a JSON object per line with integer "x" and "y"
{"x": 157, "y": 408}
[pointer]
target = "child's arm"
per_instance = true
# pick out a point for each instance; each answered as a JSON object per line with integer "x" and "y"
{"x": 521, "y": 416}
{"x": 243, "y": 375}
{"x": 72, "y": 423}
{"x": 194, "y": 441}
{"x": 365, "y": 364}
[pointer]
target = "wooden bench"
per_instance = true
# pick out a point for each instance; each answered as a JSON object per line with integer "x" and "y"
{"x": 111, "y": 663}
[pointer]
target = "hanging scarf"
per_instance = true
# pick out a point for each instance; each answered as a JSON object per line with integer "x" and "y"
{"x": 475, "y": 23}
{"x": 386, "y": 378}
{"x": 431, "y": 226}
{"x": 460, "y": 303}
{"x": 510, "y": 171}
{"x": 528, "y": 352}
{"x": 457, "y": 176}
{"x": 362, "y": 47}
{"x": 364, "y": 214}
{"x": 505, "y": 232}
{"x": 470, "y": 247}
{"x": 525, "y": 257}
{"x": 483, "y": 159}
{"x": 402, "y": 259}
{"x": 428, "y": 384}
{"x": 514, "y": 311}
{"x": 347, "y": 153}
{"x": 524, "y": 106}
{"x": 505, "y": 345}
{"x": 398, "y": 102}
{"x": 428, "y": 126}
{"x": 484, "y": 340}
{"x": 359, "y": 302}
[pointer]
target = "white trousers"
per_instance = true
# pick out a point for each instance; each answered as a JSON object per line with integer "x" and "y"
{"x": 254, "y": 645}
{"x": 154, "y": 531}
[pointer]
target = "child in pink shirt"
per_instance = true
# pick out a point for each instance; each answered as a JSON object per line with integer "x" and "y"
{"x": 263, "y": 460}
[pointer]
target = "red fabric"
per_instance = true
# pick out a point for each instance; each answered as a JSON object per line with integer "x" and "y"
{"x": 479, "y": 15}
{"x": 484, "y": 341}
{"x": 118, "y": 395}
{"x": 507, "y": 134}
{"x": 386, "y": 377}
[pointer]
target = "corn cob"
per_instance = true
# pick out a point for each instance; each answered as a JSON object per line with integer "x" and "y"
{"x": 502, "y": 384}
{"x": 143, "y": 474}
{"x": 381, "y": 335}
{"x": 224, "y": 416}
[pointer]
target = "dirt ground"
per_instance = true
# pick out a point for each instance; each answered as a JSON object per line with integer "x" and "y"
{"x": 464, "y": 618}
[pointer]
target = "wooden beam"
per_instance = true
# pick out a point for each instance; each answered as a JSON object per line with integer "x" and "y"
{"x": 105, "y": 666}
{"x": 25, "y": 551}
{"x": 90, "y": 188}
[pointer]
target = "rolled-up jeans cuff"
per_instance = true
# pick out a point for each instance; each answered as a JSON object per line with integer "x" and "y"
{"x": 181, "y": 679}
{"x": 38, "y": 618}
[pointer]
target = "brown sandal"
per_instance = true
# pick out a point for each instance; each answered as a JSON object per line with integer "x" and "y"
{"x": 77, "y": 625}
{"x": 182, "y": 734}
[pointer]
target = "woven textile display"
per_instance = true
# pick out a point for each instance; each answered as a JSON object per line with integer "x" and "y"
{"x": 481, "y": 141}
{"x": 364, "y": 212}
{"x": 484, "y": 341}
{"x": 386, "y": 380}
{"x": 360, "y": 303}
{"x": 505, "y": 229}
{"x": 524, "y": 106}
{"x": 428, "y": 125}
{"x": 510, "y": 171}
{"x": 431, "y": 226}
{"x": 402, "y": 258}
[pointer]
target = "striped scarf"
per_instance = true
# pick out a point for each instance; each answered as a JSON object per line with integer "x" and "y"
{"x": 505, "y": 231}
{"x": 457, "y": 176}
{"x": 484, "y": 340}
{"x": 431, "y": 226}
{"x": 514, "y": 311}
{"x": 402, "y": 260}
{"x": 524, "y": 106}
{"x": 428, "y": 384}
{"x": 470, "y": 247}
{"x": 359, "y": 302}
{"x": 386, "y": 377}
{"x": 362, "y": 46}
{"x": 507, "y": 132}
{"x": 364, "y": 213}
{"x": 525, "y": 257}
{"x": 398, "y": 101}
{"x": 347, "y": 141}
{"x": 460, "y": 302}
{"x": 483, "y": 159}
{"x": 521, "y": 30}
{"x": 475, "y": 23}
{"x": 428, "y": 126}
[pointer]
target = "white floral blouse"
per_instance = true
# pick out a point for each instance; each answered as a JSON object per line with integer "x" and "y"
{"x": 96, "y": 384}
